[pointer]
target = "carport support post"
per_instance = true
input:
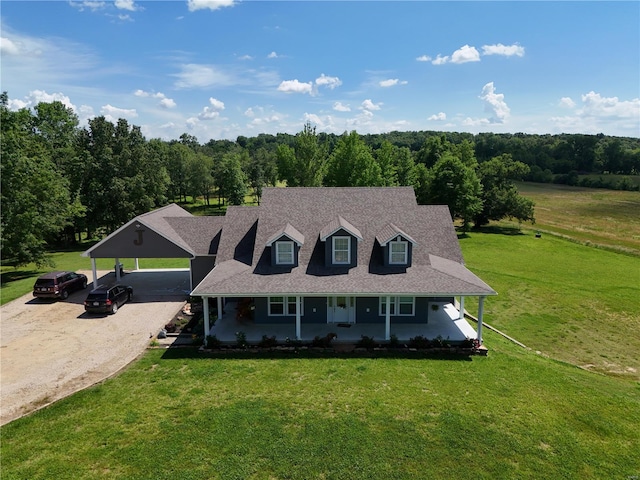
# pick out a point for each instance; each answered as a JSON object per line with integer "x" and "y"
{"x": 117, "y": 267}
{"x": 298, "y": 308}
{"x": 387, "y": 319}
{"x": 480, "y": 314}
{"x": 94, "y": 271}
{"x": 219, "y": 308}
{"x": 137, "y": 264}
{"x": 205, "y": 311}
{"x": 461, "y": 307}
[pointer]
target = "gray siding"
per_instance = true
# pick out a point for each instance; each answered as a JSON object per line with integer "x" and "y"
{"x": 296, "y": 249}
{"x": 139, "y": 243}
{"x": 200, "y": 268}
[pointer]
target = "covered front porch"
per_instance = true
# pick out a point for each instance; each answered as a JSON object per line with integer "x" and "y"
{"x": 446, "y": 323}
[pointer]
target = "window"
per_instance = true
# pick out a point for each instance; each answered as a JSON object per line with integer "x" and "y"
{"x": 398, "y": 252}
{"x": 280, "y": 306}
{"x": 284, "y": 253}
{"x": 398, "y": 306}
{"x": 341, "y": 250}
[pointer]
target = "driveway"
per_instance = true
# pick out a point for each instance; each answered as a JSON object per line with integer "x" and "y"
{"x": 49, "y": 350}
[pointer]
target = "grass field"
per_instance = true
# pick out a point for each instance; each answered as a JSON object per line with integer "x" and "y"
{"x": 177, "y": 414}
{"x": 599, "y": 217}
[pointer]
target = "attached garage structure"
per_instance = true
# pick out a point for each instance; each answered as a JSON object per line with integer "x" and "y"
{"x": 168, "y": 232}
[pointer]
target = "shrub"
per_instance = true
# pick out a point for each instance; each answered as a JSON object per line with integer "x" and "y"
{"x": 241, "y": 339}
{"x": 366, "y": 342}
{"x": 393, "y": 341}
{"x": 212, "y": 341}
{"x": 268, "y": 342}
{"x": 419, "y": 342}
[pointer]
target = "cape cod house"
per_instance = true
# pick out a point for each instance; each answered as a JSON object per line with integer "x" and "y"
{"x": 308, "y": 262}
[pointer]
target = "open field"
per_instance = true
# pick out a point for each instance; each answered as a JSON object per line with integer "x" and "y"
{"x": 607, "y": 218}
{"x": 176, "y": 414}
{"x": 571, "y": 302}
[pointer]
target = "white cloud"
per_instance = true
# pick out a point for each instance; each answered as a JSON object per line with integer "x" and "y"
{"x": 164, "y": 101}
{"x": 194, "y": 5}
{"x": 567, "y": 102}
{"x": 8, "y": 47}
{"x": 369, "y": 106}
{"x": 423, "y": 58}
{"x": 465, "y": 54}
{"x": 326, "y": 81}
{"x": 392, "y": 82}
{"x": 441, "y": 116}
{"x": 506, "y": 50}
{"x": 200, "y": 76}
{"x": 93, "y": 6}
{"x": 126, "y": 5}
{"x": 272, "y": 55}
{"x": 112, "y": 113}
{"x": 495, "y": 104}
{"x": 596, "y": 105}
{"x": 470, "y": 122}
{"x": 249, "y": 112}
{"x": 294, "y": 86}
{"x": 213, "y": 110}
{"x": 440, "y": 60}
{"x": 40, "y": 96}
{"x": 339, "y": 107}
{"x": 322, "y": 123}
{"x": 246, "y": 57}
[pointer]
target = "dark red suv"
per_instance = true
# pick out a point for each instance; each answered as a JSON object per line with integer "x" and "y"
{"x": 58, "y": 284}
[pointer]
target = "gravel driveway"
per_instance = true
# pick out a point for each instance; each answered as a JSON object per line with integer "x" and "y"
{"x": 49, "y": 350}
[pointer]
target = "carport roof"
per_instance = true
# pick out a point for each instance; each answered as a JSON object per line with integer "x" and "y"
{"x": 196, "y": 236}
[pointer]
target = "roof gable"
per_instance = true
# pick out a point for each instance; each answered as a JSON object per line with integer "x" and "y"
{"x": 337, "y": 224}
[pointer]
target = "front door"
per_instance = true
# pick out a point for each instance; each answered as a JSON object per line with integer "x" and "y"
{"x": 341, "y": 309}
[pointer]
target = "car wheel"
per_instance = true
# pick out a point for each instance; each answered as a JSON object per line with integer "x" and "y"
{"x": 114, "y": 308}
{"x": 64, "y": 294}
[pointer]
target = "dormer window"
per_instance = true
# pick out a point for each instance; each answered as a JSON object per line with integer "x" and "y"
{"x": 284, "y": 252}
{"x": 398, "y": 252}
{"x": 341, "y": 251}
{"x": 397, "y": 246}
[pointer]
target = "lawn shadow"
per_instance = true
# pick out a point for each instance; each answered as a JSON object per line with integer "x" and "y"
{"x": 492, "y": 230}
{"x": 13, "y": 276}
{"x": 179, "y": 353}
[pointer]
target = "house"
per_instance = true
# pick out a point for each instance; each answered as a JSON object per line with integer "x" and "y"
{"x": 353, "y": 261}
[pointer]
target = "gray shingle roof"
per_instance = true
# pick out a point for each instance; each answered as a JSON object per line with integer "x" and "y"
{"x": 389, "y": 232}
{"x": 336, "y": 224}
{"x": 244, "y": 265}
{"x": 290, "y": 231}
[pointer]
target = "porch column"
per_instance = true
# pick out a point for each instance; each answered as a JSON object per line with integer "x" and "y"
{"x": 219, "y": 308}
{"x": 94, "y": 271}
{"x": 461, "y": 307}
{"x": 137, "y": 264}
{"x": 480, "y": 313}
{"x": 387, "y": 319}
{"x": 298, "y": 308}
{"x": 117, "y": 267}
{"x": 205, "y": 311}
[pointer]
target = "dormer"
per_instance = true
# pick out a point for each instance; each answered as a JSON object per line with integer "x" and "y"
{"x": 397, "y": 246}
{"x": 285, "y": 245}
{"x": 341, "y": 240}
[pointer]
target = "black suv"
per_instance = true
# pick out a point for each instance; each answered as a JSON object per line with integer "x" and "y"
{"x": 104, "y": 299}
{"x": 58, "y": 284}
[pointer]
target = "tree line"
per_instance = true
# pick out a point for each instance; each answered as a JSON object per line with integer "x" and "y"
{"x": 61, "y": 182}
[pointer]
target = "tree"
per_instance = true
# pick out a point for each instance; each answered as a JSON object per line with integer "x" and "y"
{"x": 352, "y": 165}
{"x": 199, "y": 179}
{"x": 455, "y": 184}
{"x": 232, "y": 181}
{"x": 500, "y": 198}
{"x": 35, "y": 197}
{"x": 405, "y": 167}
{"x": 386, "y": 157}
{"x": 303, "y": 165}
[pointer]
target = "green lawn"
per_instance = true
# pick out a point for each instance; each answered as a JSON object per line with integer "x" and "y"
{"x": 177, "y": 414}
{"x": 575, "y": 303}
{"x": 592, "y": 216}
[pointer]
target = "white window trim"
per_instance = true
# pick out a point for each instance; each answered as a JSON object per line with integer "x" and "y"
{"x": 394, "y": 304}
{"x": 406, "y": 252}
{"x": 333, "y": 250}
{"x": 293, "y": 252}
{"x": 286, "y": 301}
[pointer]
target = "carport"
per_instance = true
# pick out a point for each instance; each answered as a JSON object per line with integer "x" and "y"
{"x": 168, "y": 232}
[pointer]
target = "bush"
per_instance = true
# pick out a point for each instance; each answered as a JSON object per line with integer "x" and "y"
{"x": 212, "y": 341}
{"x": 366, "y": 342}
{"x": 268, "y": 342}
{"x": 419, "y": 342}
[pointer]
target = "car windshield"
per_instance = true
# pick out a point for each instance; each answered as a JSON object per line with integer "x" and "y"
{"x": 97, "y": 296}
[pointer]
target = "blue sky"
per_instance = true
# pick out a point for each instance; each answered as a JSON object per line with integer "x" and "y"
{"x": 220, "y": 69}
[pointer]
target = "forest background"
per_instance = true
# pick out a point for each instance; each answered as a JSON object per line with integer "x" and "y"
{"x": 62, "y": 183}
